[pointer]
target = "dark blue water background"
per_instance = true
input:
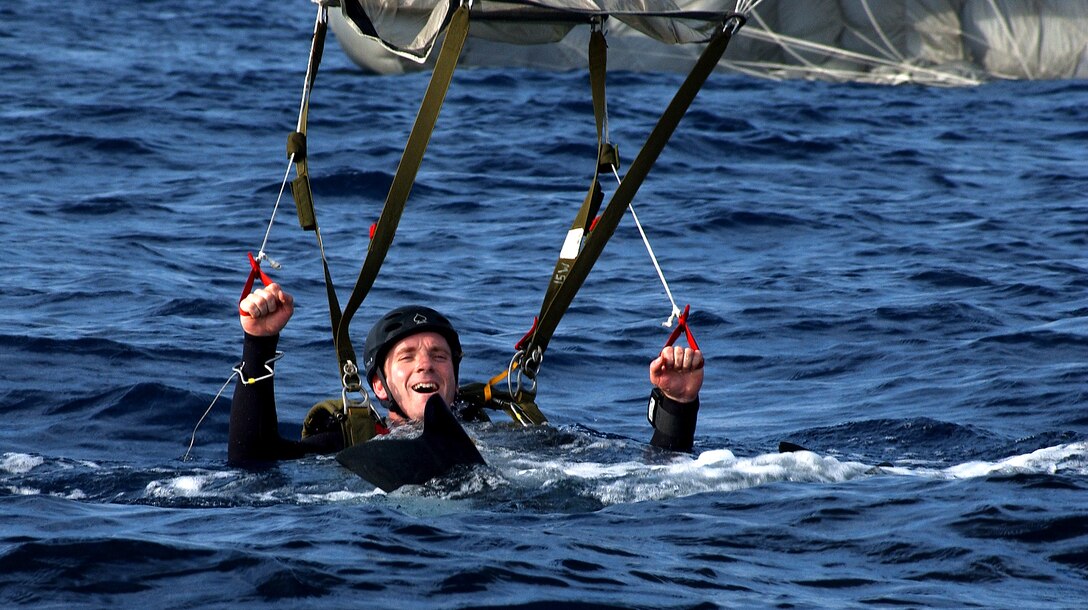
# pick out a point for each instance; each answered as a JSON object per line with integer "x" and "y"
{"x": 886, "y": 275}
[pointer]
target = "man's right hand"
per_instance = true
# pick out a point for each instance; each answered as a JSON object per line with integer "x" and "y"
{"x": 269, "y": 309}
{"x": 678, "y": 371}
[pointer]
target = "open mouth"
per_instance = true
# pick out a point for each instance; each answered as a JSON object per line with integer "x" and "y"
{"x": 425, "y": 388}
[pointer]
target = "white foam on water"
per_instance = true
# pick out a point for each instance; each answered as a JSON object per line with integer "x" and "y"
{"x": 337, "y": 497}
{"x": 715, "y": 470}
{"x": 24, "y": 491}
{"x": 721, "y": 470}
{"x": 186, "y": 486}
{"x": 20, "y": 463}
{"x": 1070, "y": 459}
{"x": 590, "y": 470}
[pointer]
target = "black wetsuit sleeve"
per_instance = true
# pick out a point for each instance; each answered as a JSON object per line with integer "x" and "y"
{"x": 254, "y": 437}
{"x": 674, "y": 429}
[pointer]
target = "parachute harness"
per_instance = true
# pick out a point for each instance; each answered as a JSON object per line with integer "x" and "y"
{"x": 581, "y": 248}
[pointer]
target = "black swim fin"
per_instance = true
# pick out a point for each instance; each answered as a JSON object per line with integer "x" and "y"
{"x": 389, "y": 464}
{"x": 788, "y": 447}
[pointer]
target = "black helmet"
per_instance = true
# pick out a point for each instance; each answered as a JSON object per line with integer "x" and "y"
{"x": 404, "y": 322}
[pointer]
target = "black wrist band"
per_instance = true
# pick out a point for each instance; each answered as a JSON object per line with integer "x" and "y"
{"x": 670, "y": 417}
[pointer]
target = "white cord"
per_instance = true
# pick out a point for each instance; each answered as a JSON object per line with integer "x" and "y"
{"x": 192, "y": 441}
{"x": 283, "y": 186}
{"x": 235, "y": 372}
{"x": 322, "y": 15}
{"x": 660, "y": 274}
{"x": 792, "y": 45}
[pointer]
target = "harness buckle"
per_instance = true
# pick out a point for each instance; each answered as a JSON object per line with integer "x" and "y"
{"x": 350, "y": 383}
{"x": 350, "y": 380}
{"x": 527, "y": 365}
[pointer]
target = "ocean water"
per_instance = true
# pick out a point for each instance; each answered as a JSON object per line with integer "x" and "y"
{"x": 893, "y": 277}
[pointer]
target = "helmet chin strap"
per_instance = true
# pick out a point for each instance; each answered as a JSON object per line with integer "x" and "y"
{"x": 389, "y": 403}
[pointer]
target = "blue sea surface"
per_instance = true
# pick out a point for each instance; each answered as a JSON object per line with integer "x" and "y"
{"x": 895, "y": 278}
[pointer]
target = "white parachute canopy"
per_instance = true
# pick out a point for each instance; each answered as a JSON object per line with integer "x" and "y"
{"x": 410, "y": 27}
{"x": 936, "y": 41}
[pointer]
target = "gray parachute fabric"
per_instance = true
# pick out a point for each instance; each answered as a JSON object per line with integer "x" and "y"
{"x": 409, "y": 28}
{"x": 930, "y": 41}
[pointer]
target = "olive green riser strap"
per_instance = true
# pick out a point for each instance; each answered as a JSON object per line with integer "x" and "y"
{"x": 296, "y": 141}
{"x": 625, "y": 192}
{"x": 300, "y": 186}
{"x": 405, "y": 176}
{"x": 605, "y": 154}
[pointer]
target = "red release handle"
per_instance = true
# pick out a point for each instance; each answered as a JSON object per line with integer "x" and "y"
{"x": 521, "y": 343}
{"x": 682, "y": 323}
{"x": 254, "y": 273}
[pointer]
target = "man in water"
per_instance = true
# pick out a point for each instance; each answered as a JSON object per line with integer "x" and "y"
{"x": 411, "y": 354}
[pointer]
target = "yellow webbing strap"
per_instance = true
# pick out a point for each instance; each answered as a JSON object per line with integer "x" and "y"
{"x": 488, "y": 395}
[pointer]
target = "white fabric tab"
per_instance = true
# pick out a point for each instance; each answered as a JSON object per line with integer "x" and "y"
{"x": 572, "y": 245}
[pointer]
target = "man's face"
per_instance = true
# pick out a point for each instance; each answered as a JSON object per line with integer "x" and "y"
{"x": 417, "y": 367}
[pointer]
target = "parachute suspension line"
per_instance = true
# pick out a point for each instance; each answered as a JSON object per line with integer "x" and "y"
{"x": 1003, "y": 19}
{"x": 296, "y": 153}
{"x": 300, "y": 125}
{"x": 649, "y": 250}
{"x": 192, "y": 441}
{"x": 788, "y": 44}
{"x": 574, "y": 275}
{"x": 613, "y": 164}
{"x": 792, "y": 45}
{"x": 888, "y": 46}
{"x": 261, "y": 254}
{"x": 746, "y": 6}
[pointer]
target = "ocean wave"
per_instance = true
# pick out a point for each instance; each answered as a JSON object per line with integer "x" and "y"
{"x": 87, "y": 346}
{"x": 570, "y": 472}
{"x": 1039, "y": 338}
{"x": 1063, "y": 459}
{"x": 19, "y": 463}
{"x": 910, "y": 440}
{"x": 119, "y": 147}
{"x": 106, "y": 205}
{"x": 950, "y": 278}
{"x": 948, "y": 312}
{"x": 349, "y": 182}
{"x": 716, "y": 220}
{"x": 1009, "y": 523}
